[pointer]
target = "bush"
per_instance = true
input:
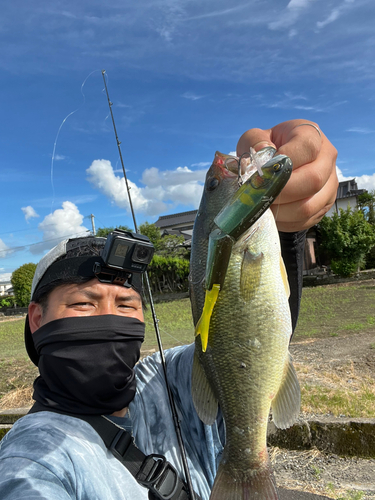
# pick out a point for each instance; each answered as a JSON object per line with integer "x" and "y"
{"x": 344, "y": 267}
{"x": 168, "y": 274}
{"x": 7, "y": 301}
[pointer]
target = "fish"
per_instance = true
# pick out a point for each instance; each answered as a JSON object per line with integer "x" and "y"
{"x": 245, "y": 368}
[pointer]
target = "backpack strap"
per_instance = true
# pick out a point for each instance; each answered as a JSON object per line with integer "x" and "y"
{"x": 151, "y": 471}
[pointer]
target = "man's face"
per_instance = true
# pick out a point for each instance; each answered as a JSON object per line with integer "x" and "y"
{"x": 88, "y": 299}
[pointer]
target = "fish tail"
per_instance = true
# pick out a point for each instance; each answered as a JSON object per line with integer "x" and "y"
{"x": 258, "y": 485}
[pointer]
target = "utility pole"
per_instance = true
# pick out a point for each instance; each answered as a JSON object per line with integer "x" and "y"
{"x": 92, "y": 223}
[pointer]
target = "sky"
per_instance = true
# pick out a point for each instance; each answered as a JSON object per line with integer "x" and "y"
{"x": 186, "y": 78}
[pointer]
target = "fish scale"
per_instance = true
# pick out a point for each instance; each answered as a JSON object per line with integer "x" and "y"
{"x": 247, "y": 360}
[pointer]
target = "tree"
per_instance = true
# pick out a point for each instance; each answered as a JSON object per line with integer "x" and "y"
{"x": 21, "y": 280}
{"x": 153, "y": 234}
{"x": 366, "y": 203}
{"x": 346, "y": 237}
{"x": 103, "y": 232}
{"x": 168, "y": 245}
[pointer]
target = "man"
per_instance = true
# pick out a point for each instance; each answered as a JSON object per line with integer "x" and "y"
{"x": 85, "y": 335}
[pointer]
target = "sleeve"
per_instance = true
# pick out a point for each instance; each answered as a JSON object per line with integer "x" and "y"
{"x": 292, "y": 251}
{"x": 23, "y": 479}
{"x": 153, "y": 422}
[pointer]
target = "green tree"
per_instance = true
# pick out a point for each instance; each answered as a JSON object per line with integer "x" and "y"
{"x": 346, "y": 237}
{"x": 21, "y": 280}
{"x": 153, "y": 234}
{"x": 103, "y": 232}
{"x": 169, "y": 245}
{"x": 366, "y": 203}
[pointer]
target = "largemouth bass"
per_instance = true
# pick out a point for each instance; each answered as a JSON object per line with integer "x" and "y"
{"x": 246, "y": 367}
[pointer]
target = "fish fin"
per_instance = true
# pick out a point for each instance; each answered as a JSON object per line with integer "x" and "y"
{"x": 204, "y": 399}
{"x": 250, "y": 274}
{"x": 286, "y": 404}
{"x": 203, "y": 324}
{"x": 284, "y": 276}
{"x": 258, "y": 484}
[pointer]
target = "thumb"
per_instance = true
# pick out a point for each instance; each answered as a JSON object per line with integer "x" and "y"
{"x": 255, "y": 138}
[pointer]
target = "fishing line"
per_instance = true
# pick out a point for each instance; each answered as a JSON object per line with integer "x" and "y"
{"x": 58, "y": 133}
{"x": 166, "y": 333}
{"x": 278, "y": 208}
{"x": 57, "y": 240}
{"x": 154, "y": 317}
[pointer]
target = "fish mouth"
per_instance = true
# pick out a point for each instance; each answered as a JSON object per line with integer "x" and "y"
{"x": 234, "y": 165}
{"x": 245, "y": 165}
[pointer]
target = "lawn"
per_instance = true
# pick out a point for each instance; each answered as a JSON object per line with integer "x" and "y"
{"x": 325, "y": 311}
{"x": 336, "y": 309}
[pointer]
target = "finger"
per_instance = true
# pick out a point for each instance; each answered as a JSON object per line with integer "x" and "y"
{"x": 303, "y": 214}
{"x": 300, "y": 140}
{"x": 255, "y": 138}
{"x": 309, "y": 179}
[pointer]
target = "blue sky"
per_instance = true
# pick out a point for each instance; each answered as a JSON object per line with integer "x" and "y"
{"x": 186, "y": 78}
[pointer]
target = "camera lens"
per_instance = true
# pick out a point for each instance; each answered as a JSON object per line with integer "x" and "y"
{"x": 141, "y": 254}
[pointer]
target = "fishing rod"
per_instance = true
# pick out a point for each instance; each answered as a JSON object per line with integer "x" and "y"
{"x": 154, "y": 317}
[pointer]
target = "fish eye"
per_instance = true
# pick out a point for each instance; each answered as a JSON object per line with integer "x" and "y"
{"x": 212, "y": 184}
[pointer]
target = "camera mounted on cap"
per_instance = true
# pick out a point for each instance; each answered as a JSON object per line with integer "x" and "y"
{"x": 124, "y": 253}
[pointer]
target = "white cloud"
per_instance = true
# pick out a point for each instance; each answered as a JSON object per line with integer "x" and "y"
{"x": 29, "y": 212}
{"x": 201, "y": 164}
{"x": 292, "y": 12}
{"x": 4, "y": 249}
{"x": 5, "y": 276}
{"x": 360, "y": 130}
{"x": 162, "y": 190}
{"x": 192, "y": 96}
{"x": 59, "y": 157}
{"x": 63, "y": 223}
{"x": 363, "y": 181}
{"x": 335, "y": 14}
{"x": 216, "y": 13}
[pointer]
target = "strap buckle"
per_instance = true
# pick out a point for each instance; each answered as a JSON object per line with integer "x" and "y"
{"x": 159, "y": 476}
{"x": 120, "y": 444}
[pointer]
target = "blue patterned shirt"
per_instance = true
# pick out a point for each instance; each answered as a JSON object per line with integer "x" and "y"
{"x": 51, "y": 456}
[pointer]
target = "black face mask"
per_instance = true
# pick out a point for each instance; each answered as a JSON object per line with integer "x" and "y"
{"x": 86, "y": 363}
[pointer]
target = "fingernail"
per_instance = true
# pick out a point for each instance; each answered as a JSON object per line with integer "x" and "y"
{"x": 262, "y": 144}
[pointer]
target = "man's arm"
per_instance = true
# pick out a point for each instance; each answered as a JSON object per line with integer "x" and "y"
{"x": 23, "y": 479}
{"x": 308, "y": 195}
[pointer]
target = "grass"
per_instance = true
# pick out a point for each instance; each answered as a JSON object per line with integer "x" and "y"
{"x": 348, "y": 495}
{"x": 336, "y": 309}
{"x": 359, "y": 402}
{"x": 329, "y": 311}
{"x": 175, "y": 324}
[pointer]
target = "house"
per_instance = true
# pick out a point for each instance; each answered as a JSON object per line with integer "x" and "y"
{"x": 347, "y": 194}
{"x": 180, "y": 224}
{"x": 5, "y": 288}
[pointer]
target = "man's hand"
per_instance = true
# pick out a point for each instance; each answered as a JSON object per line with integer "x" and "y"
{"x": 312, "y": 187}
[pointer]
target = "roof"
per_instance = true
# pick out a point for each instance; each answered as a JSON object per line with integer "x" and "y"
{"x": 348, "y": 188}
{"x": 176, "y": 219}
